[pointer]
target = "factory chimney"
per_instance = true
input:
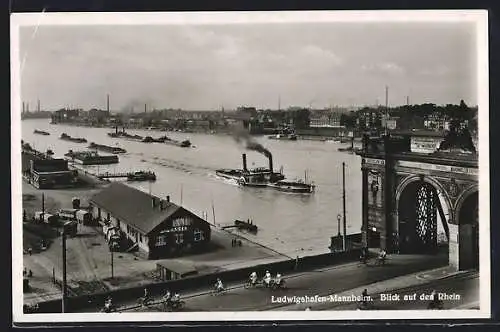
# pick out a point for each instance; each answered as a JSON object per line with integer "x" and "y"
{"x": 23, "y": 107}
{"x": 38, "y": 105}
{"x": 244, "y": 157}
{"x": 107, "y": 103}
{"x": 271, "y": 162}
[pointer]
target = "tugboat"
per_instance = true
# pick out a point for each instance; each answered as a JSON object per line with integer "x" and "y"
{"x": 40, "y": 132}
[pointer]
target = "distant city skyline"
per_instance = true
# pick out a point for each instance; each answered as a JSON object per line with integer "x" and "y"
{"x": 260, "y": 65}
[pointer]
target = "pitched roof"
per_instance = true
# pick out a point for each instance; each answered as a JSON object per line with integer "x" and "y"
{"x": 133, "y": 206}
{"x": 178, "y": 266}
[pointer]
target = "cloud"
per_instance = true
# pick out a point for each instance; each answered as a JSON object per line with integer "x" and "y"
{"x": 317, "y": 53}
{"x": 388, "y": 68}
{"x": 437, "y": 71}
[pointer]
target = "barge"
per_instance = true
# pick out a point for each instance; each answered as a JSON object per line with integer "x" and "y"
{"x": 66, "y": 137}
{"x": 90, "y": 158}
{"x": 40, "y": 132}
{"x": 105, "y": 148}
{"x": 297, "y": 186}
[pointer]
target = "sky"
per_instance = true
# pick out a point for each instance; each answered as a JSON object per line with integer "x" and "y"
{"x": 265, "y": 65}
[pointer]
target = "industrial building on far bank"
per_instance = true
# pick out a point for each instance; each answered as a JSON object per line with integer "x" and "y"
{"x": 156, "y": 227}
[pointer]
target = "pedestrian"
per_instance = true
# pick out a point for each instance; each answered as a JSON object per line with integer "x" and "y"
{"x": 30, "y": 251}
{"x": 24, "y": 272}
{"x": 30, "y": 273}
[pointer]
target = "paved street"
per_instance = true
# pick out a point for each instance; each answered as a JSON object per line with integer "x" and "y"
{"x": 318, "y": 282}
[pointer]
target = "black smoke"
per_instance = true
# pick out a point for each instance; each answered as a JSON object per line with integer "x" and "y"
{"x": 250, "y": 144}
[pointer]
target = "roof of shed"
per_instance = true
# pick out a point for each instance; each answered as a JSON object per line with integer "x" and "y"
{"x": 134, "y": 207}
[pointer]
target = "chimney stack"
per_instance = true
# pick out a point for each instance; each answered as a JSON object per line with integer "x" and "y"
{"x": 107, "y": 103}
{"x": 271, "y": 163}
{"x": 244, "y": 157}
{"x": 23, "y": 107}
{"x": 38, "y": 105}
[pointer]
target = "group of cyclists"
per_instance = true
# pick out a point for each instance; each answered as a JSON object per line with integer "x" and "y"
{"x": 267, "y": 280}
{"x": 169, "y": 300}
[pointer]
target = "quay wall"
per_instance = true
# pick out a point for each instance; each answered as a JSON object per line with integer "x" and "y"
{"x": 202, "y": 281}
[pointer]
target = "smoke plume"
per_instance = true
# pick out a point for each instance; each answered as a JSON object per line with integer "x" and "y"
{"x": 250, "y": 144}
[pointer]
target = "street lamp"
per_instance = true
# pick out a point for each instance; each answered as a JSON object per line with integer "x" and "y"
{"x": 64, "y": 284}
{"x": 339, "y": 217}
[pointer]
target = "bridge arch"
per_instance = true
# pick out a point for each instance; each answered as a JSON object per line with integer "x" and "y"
{"x": 420, "y": 202}
{"x": 467, "y": 217}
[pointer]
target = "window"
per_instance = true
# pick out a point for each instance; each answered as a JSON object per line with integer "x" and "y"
{"x": 179, "y": 238}
{"x": 198, "y": 235}
{"x": 161, "y": 240}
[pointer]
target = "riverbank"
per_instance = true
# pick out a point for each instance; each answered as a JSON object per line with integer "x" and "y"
{"x": 89, "y": 259}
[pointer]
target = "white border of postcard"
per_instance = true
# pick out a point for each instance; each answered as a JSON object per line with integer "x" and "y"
{"x": 480, "y": 17}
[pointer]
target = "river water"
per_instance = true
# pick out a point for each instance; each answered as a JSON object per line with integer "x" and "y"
{"x": 293, "y": 224}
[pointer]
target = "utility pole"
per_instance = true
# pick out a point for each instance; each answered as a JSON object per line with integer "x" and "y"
{"x": 112, "y": 270}
{"x": 64, "y": 293}
{"x": 386, "y": 107}
{"x": 343, "y": 206}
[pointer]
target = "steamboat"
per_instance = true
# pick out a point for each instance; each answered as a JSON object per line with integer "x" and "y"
{"x": 257, "y": 177}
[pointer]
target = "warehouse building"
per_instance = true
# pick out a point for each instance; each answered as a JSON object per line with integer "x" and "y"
{"x": 156, "y": 227}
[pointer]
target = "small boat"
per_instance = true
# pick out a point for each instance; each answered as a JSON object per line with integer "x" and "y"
{"x": 247, "y": 225}
{"x": 40, "y": 132}
{"x": 182, "y": 144}
{"x": 141, "y": 176}
{"x": 284, "y": 137}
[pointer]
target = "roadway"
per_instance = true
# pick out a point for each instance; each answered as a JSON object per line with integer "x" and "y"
{"x": 460, "y": 291}
{"x": 323, "y": 281}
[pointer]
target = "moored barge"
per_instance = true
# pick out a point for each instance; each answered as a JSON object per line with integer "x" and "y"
{"x": 105, "y": 148}
{"x": 40, "y": 132}
{"x": 90, "y": 158}
{"x": 66, "y": 137}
